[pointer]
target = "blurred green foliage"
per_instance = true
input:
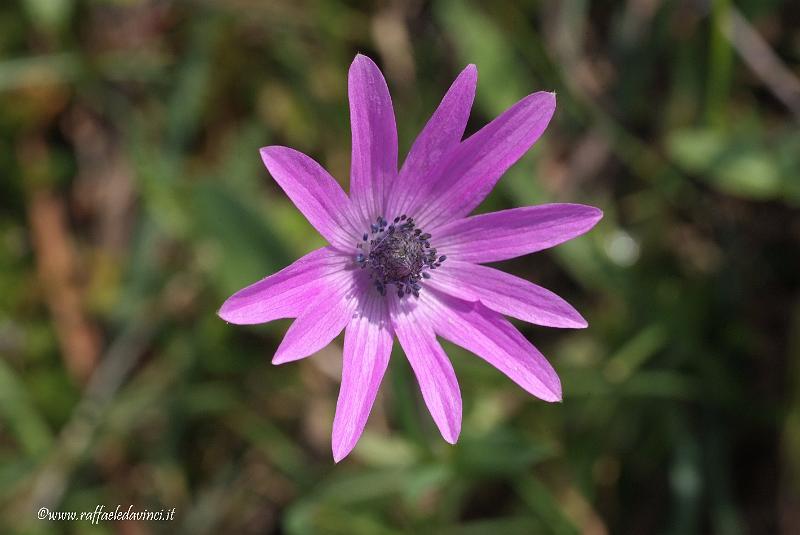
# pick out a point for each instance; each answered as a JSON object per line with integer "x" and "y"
{"x": 133, "y": 201}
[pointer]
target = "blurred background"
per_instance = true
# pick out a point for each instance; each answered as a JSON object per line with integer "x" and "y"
{"x": 133, "y": 201}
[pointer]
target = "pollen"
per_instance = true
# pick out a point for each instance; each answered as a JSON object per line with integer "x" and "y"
{"x": 397, "y": 254}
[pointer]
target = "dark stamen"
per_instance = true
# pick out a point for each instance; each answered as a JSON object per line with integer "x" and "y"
{"x": 398, "y": 254}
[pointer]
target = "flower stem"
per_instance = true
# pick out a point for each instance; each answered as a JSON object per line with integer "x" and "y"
{"x": 406, "y": 407}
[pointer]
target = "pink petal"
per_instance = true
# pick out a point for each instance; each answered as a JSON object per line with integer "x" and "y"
{"x": 286, "y": 293}
{"x": 315, "y": 193}
{"x": 435, "y": 374}
{"x": 367, "y": 345}
{"x": 506, "y": 294}
{"x": 321, "y": 321}
{"x": 516, "y": 232}
{"x": 478, "y": 163}
{"x": 490, "y": 336}
{"x": 374, "y": 159}
{"x": 440, "y": 136}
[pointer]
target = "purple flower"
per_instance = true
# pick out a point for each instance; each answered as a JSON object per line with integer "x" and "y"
{"x": 405, "y": 258}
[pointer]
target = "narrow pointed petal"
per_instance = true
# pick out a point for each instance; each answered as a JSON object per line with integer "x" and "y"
{"x": 441, "y": 135}
{"x": 374, "y": 159}
{"x": 506, "y": 294}
{"x": 321, "y": 321}
{"x": 490, "y": 336}
{"x": 315, "y": 193}
{"x": 367, "y": 346}
{"x": 478, "y": 163}
{"x": 434, "y": 372}
{"x": 510, "y": 233}
{"x": 286, "y": 293}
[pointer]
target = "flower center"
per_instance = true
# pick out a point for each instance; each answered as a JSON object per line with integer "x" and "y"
{"x": 398, "y": 254}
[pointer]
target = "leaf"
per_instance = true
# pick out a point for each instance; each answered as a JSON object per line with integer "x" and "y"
{"x": 737, "y": 167}
{"x": 51, "y": 15}
{"x": 24, "y": 421}
{"x": 250, "y": 250}
{"x": 500, "y": 451}
{"x": 483, "y": 43}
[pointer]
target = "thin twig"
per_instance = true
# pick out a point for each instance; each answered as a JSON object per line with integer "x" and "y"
{"x": 761, "y": 59}
{"x": 75, "y": 438}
